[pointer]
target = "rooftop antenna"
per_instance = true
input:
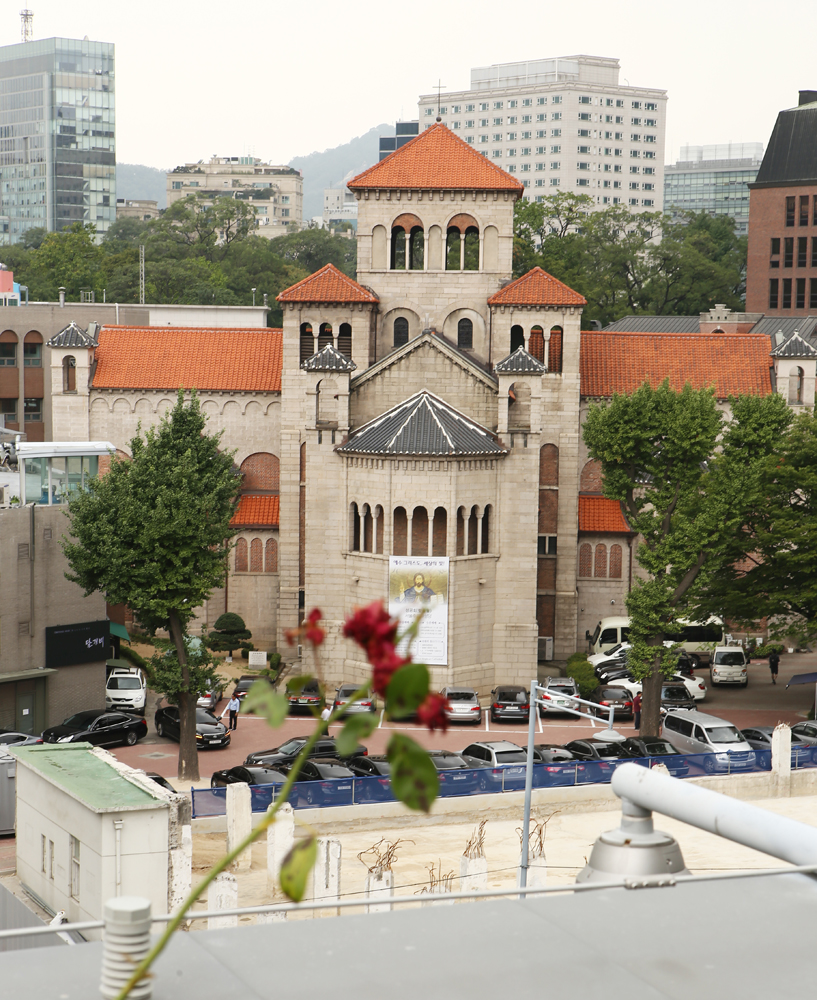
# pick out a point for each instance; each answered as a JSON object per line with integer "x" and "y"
{"x": 439, "y": 88}
{"x": 27, "y": 25}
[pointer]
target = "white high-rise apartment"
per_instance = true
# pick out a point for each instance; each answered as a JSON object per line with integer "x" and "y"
{"x": 563, "y": 124}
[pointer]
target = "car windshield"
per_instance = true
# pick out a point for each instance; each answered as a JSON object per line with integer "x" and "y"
{"x": 674, "y": 692}
{"x": 205, "y": 717}
{"x": 461, "y": 696}
{"x": 81, "y": 720}
{"x": 724, "y": 734}
{"x": 508, "y": 694}
{"x": 334, "y": 771}
{"x": 561, "y": 689}
{"x": 615, "y": 694}
{"x": 511, "y": 757}
{"x": 610, "y": 750}
{"x": 309, "y": 687}
{"x": 447, "y": 762}
{"x": 124, "y": 684}
{"x": 660, "y": 749}
{"x": 730, "y": 659}
{"x": 291, "y": 746}
{"x": 346, "y": 691}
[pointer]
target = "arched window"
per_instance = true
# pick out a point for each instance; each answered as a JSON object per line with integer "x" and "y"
{"x": 462, "y": 244}
{"x": 590, "y": 479}
{"x": 471, "y": 249}
{"x": 69, "y": 374}
{"x": 256, "y": 556}
{"x": 241, "y": 555}
{"x": 378, "y": 520}
{"x": 796, "y": 376}
{"x": 398, "y": 249}
{"x": 465, "y": 333}
{"x": 536, "y": 343}
{"x": 419, "y": 532}
{"x": 600, "y": 563}
{"x": 416, "y": 249}
{"x": 452, "y": 250}
{"x": 517, "y": 338}
{"x": 401, "y": 331}
{"x": 345, "y": 340}
{"x": 260, "y": 472}
{"x": 271, "y": 556}
{"x": 473, "y": 524}
{"x": 486, "y": 529}
{"x": 307, "y": 342}
{"x": 460, "y": 531}
{"x": 615, "y": 562}
{"x": 326, "y": 398}
{"x": 407, "y": 243}
{"x": 548, "y": 465}
{"x": 379, "y": 248}
{"x": 519, "y": 406}
{"x": 354, "y": 532}
{"x": 439, "y": 533}
{"x": 585, "y": 559}
{"x": 324, "y": 335}
{"x": 400, "y": 532}
{"x": 368, "y": 528}
{"x": 33, "y": 350}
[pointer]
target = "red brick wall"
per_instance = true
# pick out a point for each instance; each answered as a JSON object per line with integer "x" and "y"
{"x": 271, "y": 556}
{"x": 586, "y": 559}
{"x": 261, "y": 471}
{"x": 256, "y": 556}
{"x": 548, "y": 465}
{"x": 546, "y": 614}
{"x": 241, "y": 563}
{"x": 590, "y": 479}
{"x": 600, "y": 562}
{"x": 615, "y": 562}
{"x": 548, "y": 511}
{"x": 767, "y": 219}
{"x": 546, "y": 574}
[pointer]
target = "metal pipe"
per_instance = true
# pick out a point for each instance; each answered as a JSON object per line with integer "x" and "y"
{"x": 117, "y": 825}
{"x": 532, "y": 709}
{"x": 746, "y": 824}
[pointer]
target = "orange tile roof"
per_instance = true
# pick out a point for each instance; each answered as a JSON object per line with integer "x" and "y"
{"x": 619, "y": 362}
{"x": 602, "y": 515}
{"x": 256, "y": 510}
{"x": 436, "y": 160}
{"x": 537, "y": 288}
{"x": 327, "y": 285}
{"x": 172, "y": 357}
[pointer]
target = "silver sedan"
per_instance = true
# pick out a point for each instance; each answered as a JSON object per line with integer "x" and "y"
{"x": 462, "y": 705}
{"x": 343, "y": 696}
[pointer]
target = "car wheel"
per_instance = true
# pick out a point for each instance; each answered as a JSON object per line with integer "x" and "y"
{"x": 709, "y": 765}
{"x": 131, "y": 738}
{"x": 160, "y": 730}
{"x": 310, "y": 797}
{"x": 483, "y": 783}
{"x": 745, "y": 684}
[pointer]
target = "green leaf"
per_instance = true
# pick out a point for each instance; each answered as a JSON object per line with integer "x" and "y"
{"x": 263, "y": 700}
{"x": 296, "y": 867}
{"x": 357, "y": 727}
{"x": 407, "y": 690}
{"x": 297, "y": 683}
{"x": 414, "y": 778}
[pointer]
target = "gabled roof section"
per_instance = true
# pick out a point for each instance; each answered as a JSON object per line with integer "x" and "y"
{"x": 438, "y": 342}
{"x": 520, "y": 361}
{"x": 732, "y": 363}
{"x": 655, "y": 324}
{"x": 71, "y": 336}
{"x": 599, "y": 514}
{"x": 328, "y": 285}
{"x": 537, "y": 288}
{"x": 795, "y": 347}
{"x": 423, "y": 425}
{"x": 791, "y": 156}
{"x": 170, "y": 358}
{"x": 328, "y": 359}
{"x": 437, "y": 160}
{"x": 256, "y": 510}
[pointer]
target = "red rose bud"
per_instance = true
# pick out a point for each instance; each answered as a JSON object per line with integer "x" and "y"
{"x": 314, "y": 634}
{"x": 371, "y": 625}
{"x": 314, "y": 616}
{"x": 385, "y": 666}
{"x": 432, "y": 713}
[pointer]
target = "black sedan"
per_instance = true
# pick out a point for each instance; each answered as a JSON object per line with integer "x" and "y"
{"x": 376, "y": 767}
{"x": 323, "y": 781}
{"x": 510, "y": 702}
{"x": 601, "y": 757}
{"x": 619, "y": 699}
{"x": 657, "y": 746}
{"x": 210, "y": 733}
{"x": 103, "y": 729}
{"x": 288, "y": 751}
{"x": 160, "y": 781}
{"x": 675, "y": 696}
{"x": 551, "y": 753}
{"x": 247, "y": 776}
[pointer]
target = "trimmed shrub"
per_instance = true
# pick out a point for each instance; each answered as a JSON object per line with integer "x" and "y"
{"x": 581, "y": 671}
{"x": 761, "y": 652}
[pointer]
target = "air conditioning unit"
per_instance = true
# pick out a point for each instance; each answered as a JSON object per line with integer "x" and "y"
{"x": 545, "y": 648}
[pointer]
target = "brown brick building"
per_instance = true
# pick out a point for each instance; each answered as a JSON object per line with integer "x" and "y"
{"x": 781, "y": 274}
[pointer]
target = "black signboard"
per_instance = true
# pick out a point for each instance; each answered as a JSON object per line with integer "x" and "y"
{"x": 82, "y": 642}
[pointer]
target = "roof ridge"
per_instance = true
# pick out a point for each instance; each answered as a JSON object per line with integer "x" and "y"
{"x": 327, "y": 274}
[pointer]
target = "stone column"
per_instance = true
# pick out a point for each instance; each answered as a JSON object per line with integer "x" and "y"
{"x": 481, "y": 246}
{"x": 473, "y": 874}
{"x": 239, "y": 822}
{"x": 479, "y": 531}
{"x": 407, "y": 235}
{"x": 379, "y": 885}
{"x": 222, "y": 894}
{"x": 181, "y": 869}
{"x": 375, "y": 521}
{"x": 425, "y": 249}
{"x": 409, "y": 519}
{"x": 547, "y": 347}
{"x": 781, "y": 760}
{"x": 462, "y": 251}
{"x": 280, "y": 839}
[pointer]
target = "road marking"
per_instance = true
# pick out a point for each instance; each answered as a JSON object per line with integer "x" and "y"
{"x": 487, "y": 727}
{"x": 382, "y": 713}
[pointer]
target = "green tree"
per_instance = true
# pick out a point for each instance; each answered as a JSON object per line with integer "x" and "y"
{"x": 684, "y": 478}
{"x": 311, "y": 249}
{"x": 199, "y": 227}
{"x": 229, "y": 633}
{"x": 70, "y": 259}
{"x": 154, "y": 533}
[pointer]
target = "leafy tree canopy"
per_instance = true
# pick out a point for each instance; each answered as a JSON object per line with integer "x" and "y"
{"x": 229, "y": 633}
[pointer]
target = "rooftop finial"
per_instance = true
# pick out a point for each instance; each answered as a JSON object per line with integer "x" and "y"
{"x": 439, "y": 88}
{"x": 27, "y": 25}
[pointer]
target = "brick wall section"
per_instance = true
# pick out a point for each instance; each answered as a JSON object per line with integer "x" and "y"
{"x": 600, "y": 562}
{"x": 615, "y": 562}
{"x": 767, "y": 220}
{"x": 256, "y": 556}
{"x": 586, "y": 560}
{"x": 546, "y": 574}
{"x": 590, "y": 481}
{"x": 546, "y": 614}
{"x": 400, "y": 539}
{"x": 261, "y": 472}
{"x": 548, "y": 511}
{"x": 271, "y": 556}
{"x": 241, "y": 561}
{"x": 549, "y": 465}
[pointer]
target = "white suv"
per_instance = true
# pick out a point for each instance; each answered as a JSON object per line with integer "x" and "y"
{"x": 125, "y": 690}
{"x": 728, "y": 666}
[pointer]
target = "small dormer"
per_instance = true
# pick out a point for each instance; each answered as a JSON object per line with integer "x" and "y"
{"x": 520, "y": 390}
{"x": 332, "y": 371}
{"x": 795, "y": 362}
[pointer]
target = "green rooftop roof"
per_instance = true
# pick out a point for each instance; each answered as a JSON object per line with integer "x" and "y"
{"x": 86, "y": 776}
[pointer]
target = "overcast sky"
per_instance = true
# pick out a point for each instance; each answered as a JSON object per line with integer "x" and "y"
{"x": 279, "y": 80}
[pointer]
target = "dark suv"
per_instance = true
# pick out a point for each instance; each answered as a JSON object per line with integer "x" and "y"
{"x": 287, "y": 752}
{"x": 510, "y": 702}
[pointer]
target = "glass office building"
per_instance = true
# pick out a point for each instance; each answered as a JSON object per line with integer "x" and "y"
{"x": 57, "y": 136}
{"x": 713, "y": 179}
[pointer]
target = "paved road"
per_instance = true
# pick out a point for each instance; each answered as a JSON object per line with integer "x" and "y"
{"x": 761, "y": 703}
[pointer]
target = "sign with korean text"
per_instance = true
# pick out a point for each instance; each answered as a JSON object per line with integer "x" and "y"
{"x": 82, "y": 642}
{"x": 418, "y": 585}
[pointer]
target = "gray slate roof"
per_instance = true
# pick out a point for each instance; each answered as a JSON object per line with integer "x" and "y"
{"x": 520, "y": 361}
{"x": 806, "y": 326}
{"x": 71, "y": 336}
{"x": 328, "y": 359}
{"x": 791, "y": 156}
{"x": 795, "y": 347}
{"x": 422, "y": 425}
{"x": 655, "y": 324}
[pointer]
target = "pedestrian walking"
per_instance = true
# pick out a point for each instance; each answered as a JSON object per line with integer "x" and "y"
{"x": 327, "y": 711}
{"x": 774, "y": 663}
{"x": 637, "y": 711}
{"x": 233, "y": 705}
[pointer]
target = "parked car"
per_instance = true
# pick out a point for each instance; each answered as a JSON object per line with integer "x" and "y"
{"x": 600, "y": 756}
{"x": 456, "y": 775}
{"x": 614, "y": 652}
{"x": 729, "y": 666}
{"x": 805, "y": 732}
{"x": 210, "y": 733}
{"x": 288, "y": 751}
{"x": 617, "y": 698}
{"x": 656, "y": 746}
{"x": 611, "y": 665}
{"x": 697, "y": 733}
{"x": 559, "y": 691}
{"x": 552, "y": 753}
{"x": 760, "y": 738}
{"x": 210, "y": 699}
{"x": 125, "y": 690}
{"x": 558, "y": 766}
{"x": 103, "y": 729}
{"x": 247, "y": 775}
{"x": 305, "y": 696}
{"x": 510, "y": 702}
{"x": 343, "y": 696}
{"x": 675, "y": 696}
{"x": 243, "y": 685}
{"x": 695, "y": 687}
{"x": 462, "y": 705}
{"x": 374, "y": 766}
{"x": 502, "y": 763}
{"x": 322, "y": 781}
{"x": 9, "y": 738}
{"x": 160, "y": 781}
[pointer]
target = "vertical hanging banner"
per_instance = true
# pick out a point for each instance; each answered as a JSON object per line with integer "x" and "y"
{"x": 419, "y": 585}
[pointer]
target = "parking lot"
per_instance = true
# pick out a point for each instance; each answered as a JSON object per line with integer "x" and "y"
{"x": 761, "y": 703}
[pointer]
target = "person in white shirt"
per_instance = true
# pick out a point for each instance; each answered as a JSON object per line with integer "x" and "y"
{"x": 233, "y": 705}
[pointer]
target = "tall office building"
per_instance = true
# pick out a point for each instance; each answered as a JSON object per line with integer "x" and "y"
{"x": 563, "y": 124}
{"x": 713, "y": 179}
{"x": 57, "y": 136}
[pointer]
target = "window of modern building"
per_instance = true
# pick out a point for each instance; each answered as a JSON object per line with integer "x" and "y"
{"x": 802, "y": 251}
{"x": 497, "y": 105}
{"x": 555, "y": 133}
{"x": 469, "y": 107}
{"x": 790, "y": 210}
{"x": 582, "y": 182}
{"x": 804, "y": 200}
{"x": 800, "y": 300}
{"x": 584, "y": 100}
{"x": 773, "y": 292}
{"x": 788, "y": 251}
{"x": 33, "y": 410}
{"x": 635, "y": 170}
{"x": 465, "y": 333}
{"x": 526, "y": 102}
{"x": 787, "y": 293}
{"x": 8, "y": 355}
{"x": 814, "y": 251}
{"x": 648, "y": 202}
{"x": 555, "y": 182}
{"x": 32, "y": 355}
{"x": 8, "y": 409}
{"x": 775, "y": 252}
{"x": 557, "y": 99}
{"x": 556, "y": 116}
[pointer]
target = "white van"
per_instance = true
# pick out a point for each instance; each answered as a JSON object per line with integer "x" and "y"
{"x": 697, "y": 732}
{"x": 694, "y": 637}
{"x": 126, "y": 690}
{"x": 728, "y": 666}
{"x": 608, "y": 633}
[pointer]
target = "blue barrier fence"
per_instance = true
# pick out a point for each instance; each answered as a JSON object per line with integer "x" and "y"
{"x": 477, "y": 781}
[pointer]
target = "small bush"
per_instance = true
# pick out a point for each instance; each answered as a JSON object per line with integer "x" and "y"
{"x": 761, "y": 652}
{"x": 581, "y": 671}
